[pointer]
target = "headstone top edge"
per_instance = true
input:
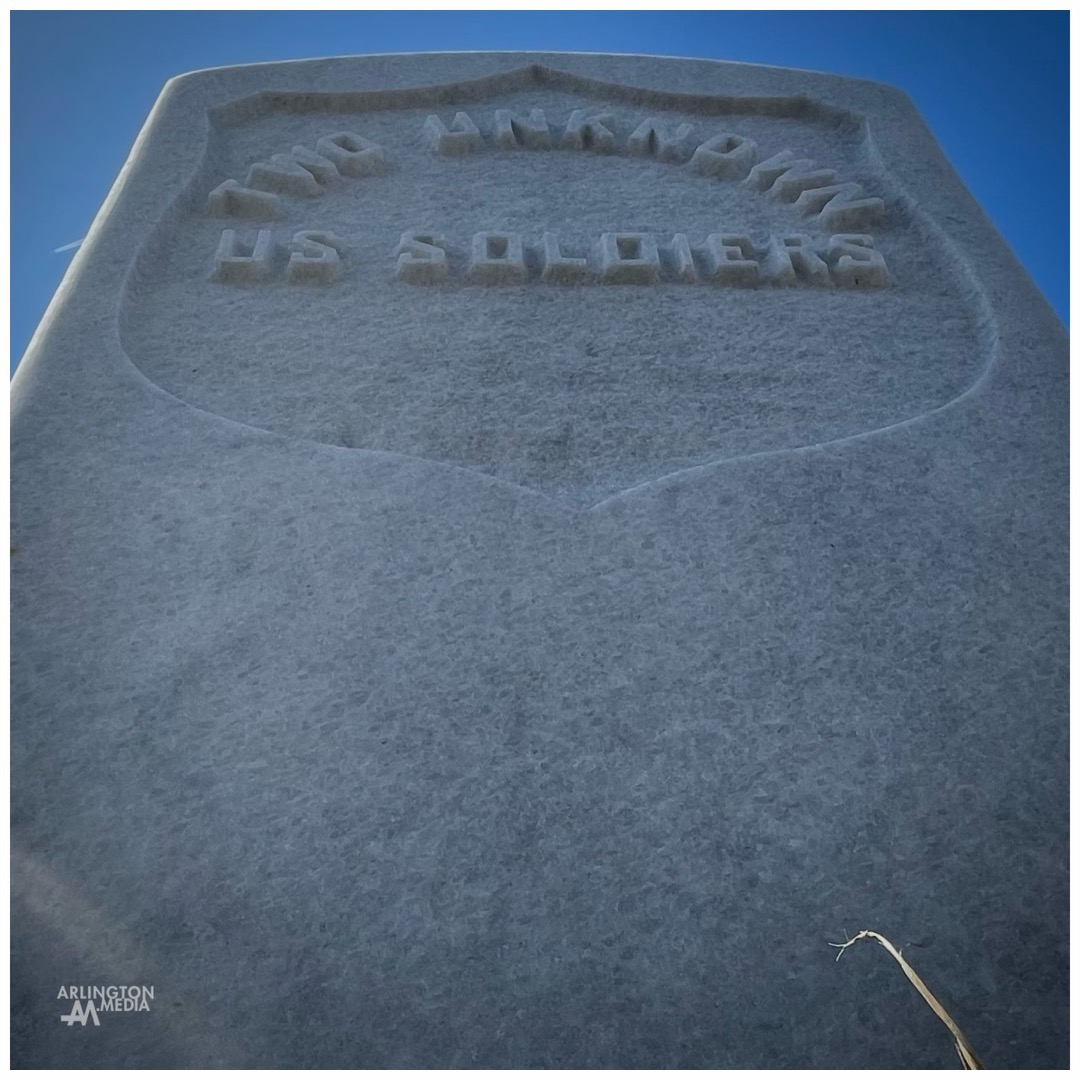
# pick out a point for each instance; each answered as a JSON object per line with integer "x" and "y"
{"x": 645, "y": 70}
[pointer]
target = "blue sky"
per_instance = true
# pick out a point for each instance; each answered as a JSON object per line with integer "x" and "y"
{"x": 993, "y": 87}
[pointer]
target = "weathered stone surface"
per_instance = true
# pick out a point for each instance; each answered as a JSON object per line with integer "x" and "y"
{"x": 510, "y": 601}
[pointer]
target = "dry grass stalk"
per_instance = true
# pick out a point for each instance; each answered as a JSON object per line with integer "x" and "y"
{"x": 967, "y": 1054}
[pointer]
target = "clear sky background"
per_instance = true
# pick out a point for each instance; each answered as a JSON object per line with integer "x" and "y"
{"x": 993, "y": 87}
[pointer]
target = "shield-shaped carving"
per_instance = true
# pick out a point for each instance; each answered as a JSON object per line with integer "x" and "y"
{"x": 668, "y": 280}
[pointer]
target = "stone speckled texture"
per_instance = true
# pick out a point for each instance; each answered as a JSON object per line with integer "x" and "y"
{"x": 535, "y": 675}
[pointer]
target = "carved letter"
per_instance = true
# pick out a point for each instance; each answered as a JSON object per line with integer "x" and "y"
{"x": 786, "y": 178}
{"x": 727, "y": 156}
{"x": 511, "y": 131}
{"x": 584, "y": 132}
{"x": 497, "y": 259}
{"x": 421, "y": 258}
{"x": 792, "y": 259}
{"x": 283, "y": 175}
{"x": 855, "y": 263}
{"x": 650, "y": 138}
{"x": 230, "y": 265}
{"x": 462, "y": 138}
{"x": 232, "y": 200}
{"x": 731, "y": 260}
{"x": 352, "y": 154}
{"x": 629, "y": 259}
{"x": 797, "y": 179}
{"x": 685, "y": 271}
{"x": 797, "y": 175}
{"x": 322, "y": 168}
{"x": 315, "y": 259}
{"x": 558, "y": 268}
{"x": 840, "y": 207}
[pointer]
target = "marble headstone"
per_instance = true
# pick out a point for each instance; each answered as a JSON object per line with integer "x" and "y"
{"x": 511, "y": 555}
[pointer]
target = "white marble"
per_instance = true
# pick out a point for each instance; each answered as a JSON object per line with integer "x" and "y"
{"x": 512, "y": 554}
